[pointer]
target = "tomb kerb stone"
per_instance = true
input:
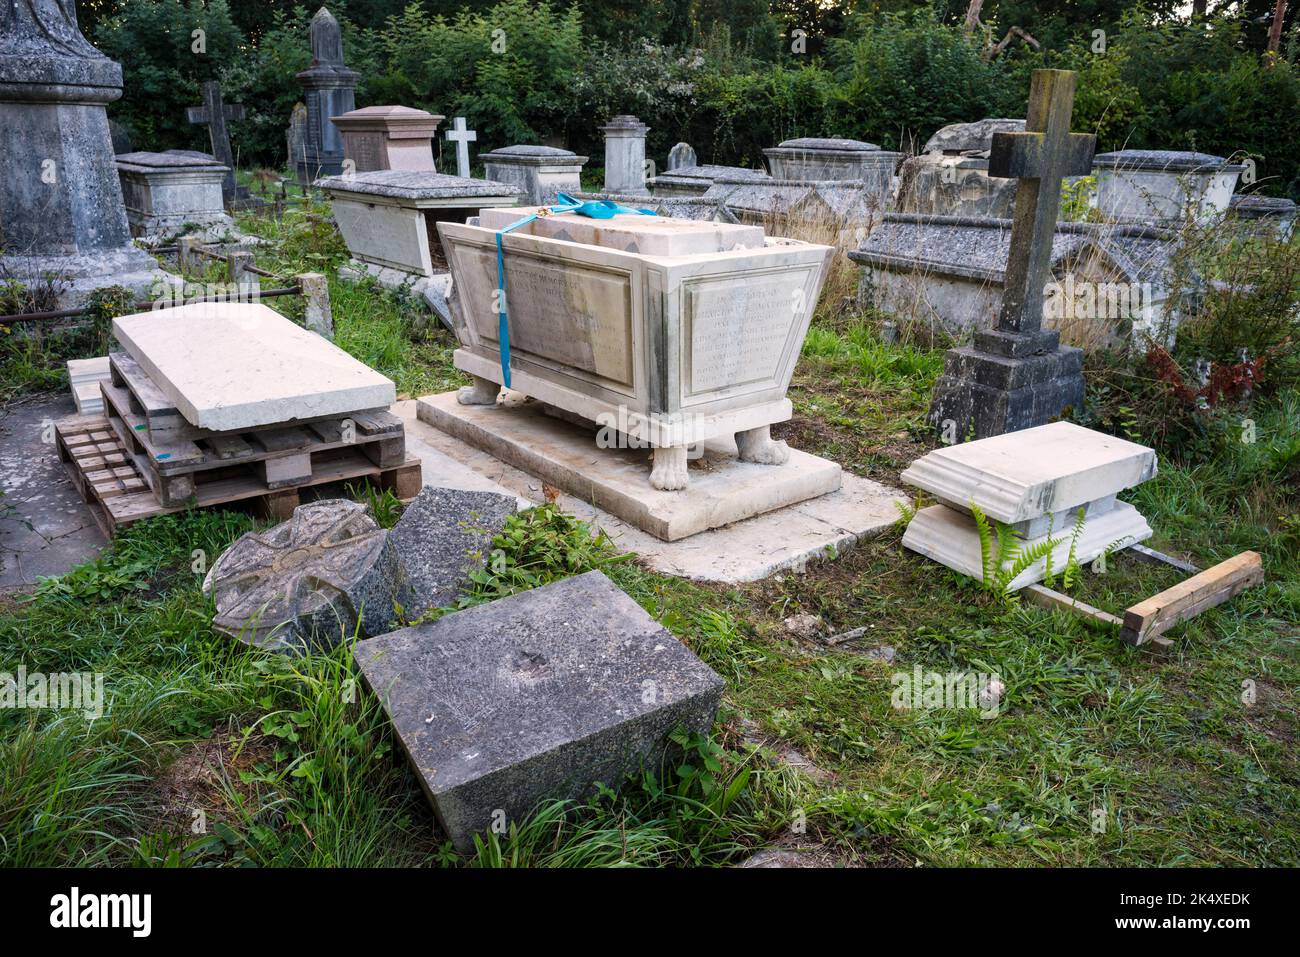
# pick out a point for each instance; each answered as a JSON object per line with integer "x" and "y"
{"x": 61, "y": 209}
{"x": 330, "y": 90}
{"x": 388, "y": 137}
{"x": 625, "y": 170}
{"x": 1018, "y": 375}
{"x": 539, "y": 171}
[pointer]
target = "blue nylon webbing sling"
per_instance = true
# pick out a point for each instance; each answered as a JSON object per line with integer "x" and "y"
{"x": 594, "y": 209}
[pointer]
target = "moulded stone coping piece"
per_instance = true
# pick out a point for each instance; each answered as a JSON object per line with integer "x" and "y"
{"x": 1023, "y": 475}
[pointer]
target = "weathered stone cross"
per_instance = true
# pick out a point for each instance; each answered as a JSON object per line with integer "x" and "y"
{"x": 1040, "y": 158}
{"x": 1017, "y": 374}
{"x": 462, "y": 137}
{"x": 214, "y": 113}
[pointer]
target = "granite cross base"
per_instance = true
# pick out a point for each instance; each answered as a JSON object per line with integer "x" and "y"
{"x": 1006, "y": 382}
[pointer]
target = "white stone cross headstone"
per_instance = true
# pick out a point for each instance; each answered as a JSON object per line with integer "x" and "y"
{"x": 462, "y": 137}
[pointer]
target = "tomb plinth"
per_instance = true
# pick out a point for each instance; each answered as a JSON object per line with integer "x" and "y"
{"x": 1163, "y": 186}
{"x": 389, "y": 218}
{"x": 814, "y": 159}
{"x": 1036, "y": 482}
{"x": 675, "y": 347}
{"x": 61, "y": 202}
{"x": 950, "y": 177}
{"x": 388, "y": 137}
{"x": 539, "y": 172}
{"x": 168, "y": 192}
{"x": 538, "y": 696}
{"x": 625, "y": 167}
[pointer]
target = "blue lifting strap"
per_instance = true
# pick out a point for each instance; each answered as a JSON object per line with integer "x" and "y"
{"x": 594, "y": 209}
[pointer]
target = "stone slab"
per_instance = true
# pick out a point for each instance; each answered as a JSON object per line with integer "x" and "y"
{"x": 443, "y": 537}
{"x": 1023, "y": 475}
{"x": 723, "y": 489}
{"x": 239, "y": 365}
{"x": 630, "y": 232}
{"x": 46, "y": 529}
{"x": 535, "y": 697}
{"x": 951, "y": 538}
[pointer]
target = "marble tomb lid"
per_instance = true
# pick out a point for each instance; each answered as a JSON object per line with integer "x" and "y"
{"x": 1023, "y": 475}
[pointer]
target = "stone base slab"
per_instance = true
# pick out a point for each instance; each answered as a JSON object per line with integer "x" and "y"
{"x": 723, "y": 489}
{"x": 783, "y": 540}
{"x": 989, "y": 394}
{"x": 951, "y": 538}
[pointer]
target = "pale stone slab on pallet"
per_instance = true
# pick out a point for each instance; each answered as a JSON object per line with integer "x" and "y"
{"x": 951, "y": 538}
{"x": 1024, "y": 475}
{"x": 234, "y": 366}
{"x": 540, "y": 695}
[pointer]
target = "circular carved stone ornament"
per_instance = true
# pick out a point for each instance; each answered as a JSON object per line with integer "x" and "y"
{"x": 322, "y": 577}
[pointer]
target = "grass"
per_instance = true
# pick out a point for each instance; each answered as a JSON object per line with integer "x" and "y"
{"x": 1101, "y": 755}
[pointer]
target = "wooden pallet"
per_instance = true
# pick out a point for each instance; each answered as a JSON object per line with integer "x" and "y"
{"x": 108, "y": 480}
{"x": 278, "y": 457}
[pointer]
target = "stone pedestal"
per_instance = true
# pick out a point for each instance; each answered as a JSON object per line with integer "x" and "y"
{"x": 61, "y": 210}
{"x": 1163, "y": 185}
{"x": 625, "y": 170}
{"x": 1035, "y": 482}
{"x": 329, "y": 90}
{"x": 388, "y": 137}
{"x": 167, "y": 193}
{"x": 389, "y": 218}
{"x": 539, "y": 171}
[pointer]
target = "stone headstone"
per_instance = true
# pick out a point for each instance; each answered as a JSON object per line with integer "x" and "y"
{"x": 539, "y": 172}
{"x": 971, "y": 137}
{"x": 443, "y": 537}
{"x": 681, "y": 156}
{"x": 64, "y": 216}
{"x": 1035, "y": 481}
{"x": 239, "y": 365}
{"x": 308, "y": 583}
{"x": 1037, "y": 377}
{"x": 295, "y": 137}
{"x": 625, "y": 169}
{"x": 388, "y": 137}
{"x": 534, "y": 697}
{"x": 214, "y": 113}
{"x": 329, "y": 90}
{"x": 462, "y": 136}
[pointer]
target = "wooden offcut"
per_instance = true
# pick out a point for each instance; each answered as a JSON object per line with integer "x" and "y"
{"x": 1052, "y": 600}
{"x": 1153, "y": 617}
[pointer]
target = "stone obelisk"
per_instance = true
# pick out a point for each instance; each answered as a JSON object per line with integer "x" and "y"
{"x": 61, "y": 211}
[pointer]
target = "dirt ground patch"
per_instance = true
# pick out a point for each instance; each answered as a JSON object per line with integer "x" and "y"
{"x": 203, "y": 782}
